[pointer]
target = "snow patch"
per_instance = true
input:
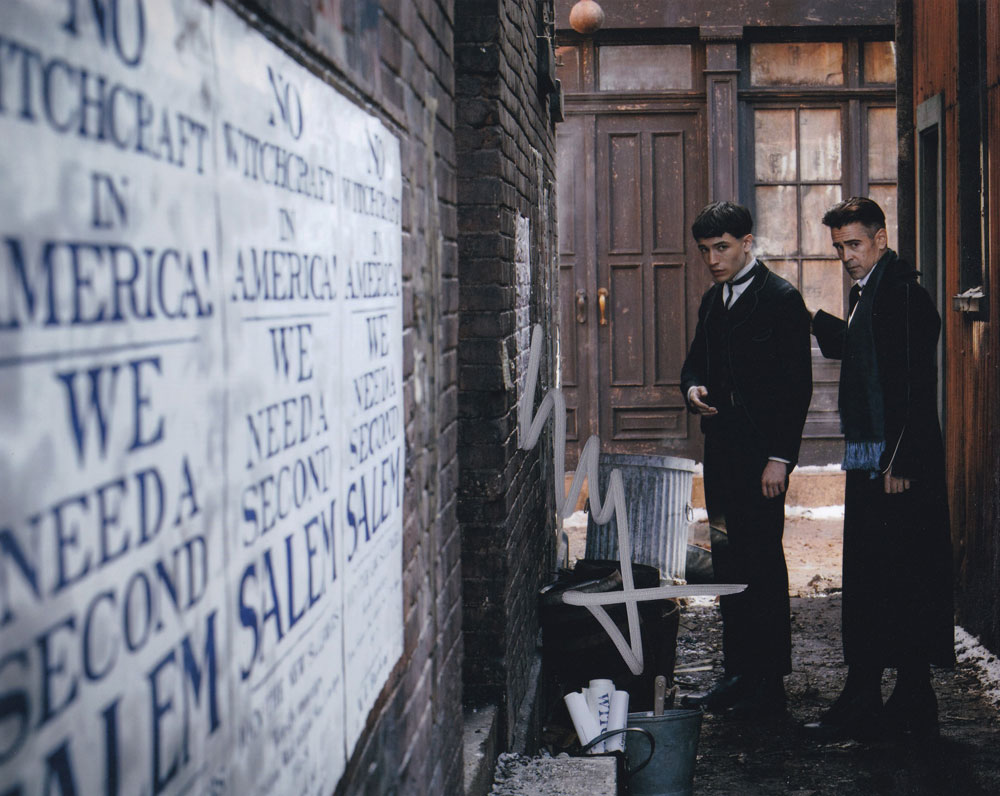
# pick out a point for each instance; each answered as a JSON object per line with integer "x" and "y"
{"x": 579, "y": 518}
{"x": 985, "y": 663}
{"x": 815, "y": 512}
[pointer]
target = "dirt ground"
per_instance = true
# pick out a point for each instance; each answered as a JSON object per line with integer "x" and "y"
{"x": 747, "y": 758}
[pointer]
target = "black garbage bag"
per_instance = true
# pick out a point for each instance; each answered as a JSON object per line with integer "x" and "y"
{"x": 576, "y": 649}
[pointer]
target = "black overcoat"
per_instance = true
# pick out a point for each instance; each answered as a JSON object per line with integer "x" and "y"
{"x": 897, "y": 548}
{"x": 768, "y": 335}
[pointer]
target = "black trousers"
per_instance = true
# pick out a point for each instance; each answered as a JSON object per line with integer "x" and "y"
{"x": 757, "y": 636}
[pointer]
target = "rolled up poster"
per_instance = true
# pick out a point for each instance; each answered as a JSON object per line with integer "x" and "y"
{"x": 584, "y": 722}
{"x": 599, "y": 698}
{"x": 617, "y": 719}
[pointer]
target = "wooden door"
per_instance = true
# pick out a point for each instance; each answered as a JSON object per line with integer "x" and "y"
{"x": 649, "y": 185}
{"x": 577, "y": 280}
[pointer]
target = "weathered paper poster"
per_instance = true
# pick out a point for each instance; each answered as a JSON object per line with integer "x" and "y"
{"x": 202, "y": 446}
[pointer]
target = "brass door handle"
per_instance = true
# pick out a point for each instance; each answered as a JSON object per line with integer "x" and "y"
{"x": 602, "y": 305}
{"x": 581, "y": 306}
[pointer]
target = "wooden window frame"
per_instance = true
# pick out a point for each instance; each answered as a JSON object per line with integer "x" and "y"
{"x": 854, "y": 98}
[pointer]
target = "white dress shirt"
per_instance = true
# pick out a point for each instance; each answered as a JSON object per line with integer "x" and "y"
{"x": 731, "y": 293}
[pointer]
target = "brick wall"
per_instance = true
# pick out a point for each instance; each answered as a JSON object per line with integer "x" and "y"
{"x": 396, "y": 58}
{"x": 456, "y": 81}
{"x": 505, "y": 153}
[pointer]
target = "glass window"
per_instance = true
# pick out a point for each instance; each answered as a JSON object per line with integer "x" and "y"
{"x": 777, "y": 220}
{"x": 568, "y": 68}
{"x": 819, "y": 136}
{"x": 801, "y": 149}
{"x": 797, "y": 64}
{"x": 816, "y": 200}
{"x": 880, "y": 61}
{"x": 882, "y": 144}
{"x": 822, "y": 284}
{"x": 659, "y": 67}
{"x": 885, "y": 195}
{"x": 786, "y": 269}
{"x": 775, "y": 153}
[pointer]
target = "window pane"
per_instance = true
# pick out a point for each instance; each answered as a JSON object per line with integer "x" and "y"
{"x": 645, "y": 67}
{"x": 799, "y": 64}
{"x": 885, "y": 195}
{"x": 774, "y": 145}
{"x": 819, "y": 134}
{"x": 816, "y": 200}
{"x": 777, "y": 221}
{"x": 823, "y": 286}
{"x": 880, "y": 62}
{"x": 881, "y": 143}
{"x": 568, "y": 68}
{"x": 786, "y": 269}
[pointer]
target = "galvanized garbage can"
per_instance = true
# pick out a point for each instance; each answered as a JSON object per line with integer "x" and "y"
{"x": 658, "y": 496}
{"x": 671, "y": 769}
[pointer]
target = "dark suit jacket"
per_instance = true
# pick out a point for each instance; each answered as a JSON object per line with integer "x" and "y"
{"x": 769, "y": 351}
{"x": 905, "y": 326}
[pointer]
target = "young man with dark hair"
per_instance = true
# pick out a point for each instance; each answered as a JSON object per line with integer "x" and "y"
{"x": 749, "y": 375}
{"x": 897, "y": 610}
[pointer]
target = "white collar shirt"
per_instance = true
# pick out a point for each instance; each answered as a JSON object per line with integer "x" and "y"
{"x": 732, "y": 293}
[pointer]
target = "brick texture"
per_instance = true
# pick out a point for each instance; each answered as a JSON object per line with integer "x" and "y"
{"x": 505, "y": 152}
{"x": 396, "y": 58}
{"x": 456, "y": 82}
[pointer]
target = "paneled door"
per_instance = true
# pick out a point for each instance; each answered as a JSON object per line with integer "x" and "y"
{"x": 649, "y": 185}
{"x": 577, "y": 280}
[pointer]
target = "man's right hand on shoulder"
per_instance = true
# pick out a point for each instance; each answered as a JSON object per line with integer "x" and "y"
{"x": 696, "y": 398}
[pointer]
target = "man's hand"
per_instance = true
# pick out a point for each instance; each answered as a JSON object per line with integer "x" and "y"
{"x": 772, "y": 480}
{"x": 895, "y": 486}
{"x": 696, "y": 397}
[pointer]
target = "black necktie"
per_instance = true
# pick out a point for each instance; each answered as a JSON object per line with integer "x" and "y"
{"x": 853, "y": 299}
{"x": 739, "y": 281}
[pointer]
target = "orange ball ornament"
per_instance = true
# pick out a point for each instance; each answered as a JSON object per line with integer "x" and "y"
{"x": 586, "y": 17}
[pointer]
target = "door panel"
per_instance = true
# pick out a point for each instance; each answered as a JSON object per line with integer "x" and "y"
{"x": 669, "y": 231}
{"x": 623, "y": 198}
{"x": 625, "y": 325}
{"x": 649, "y": 186}
{"x": 577, "y": 297}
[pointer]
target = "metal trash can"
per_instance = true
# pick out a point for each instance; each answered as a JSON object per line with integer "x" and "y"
{"x": 658, "y": 497}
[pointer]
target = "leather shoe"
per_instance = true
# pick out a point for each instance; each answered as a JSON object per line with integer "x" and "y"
{"x": 765, "y": 699}
{"x": 849, "y": 717}
{"x": 911, "y": 712}
{"x": 724, "y": 694}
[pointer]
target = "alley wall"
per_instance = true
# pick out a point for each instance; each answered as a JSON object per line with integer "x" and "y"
{"x": 267, "y": 277}
{"x": 957, "y": 107}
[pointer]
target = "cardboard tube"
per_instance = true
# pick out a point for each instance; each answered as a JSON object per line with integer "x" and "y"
{"x": 617, "y": 719}
{"x": 584, "y": 722}
{"x": 599, "y": 699}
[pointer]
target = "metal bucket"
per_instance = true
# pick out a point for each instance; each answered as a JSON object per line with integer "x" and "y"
{"x": 671, "y": 770}
{"x": 658, "y": 496}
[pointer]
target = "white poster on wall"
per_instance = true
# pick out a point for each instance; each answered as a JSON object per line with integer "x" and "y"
{"x": 201, "y": 479}
{"x": 278, "y": 137}
{"x": 111, "y": 541}
{"x": 374, "y": 450}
